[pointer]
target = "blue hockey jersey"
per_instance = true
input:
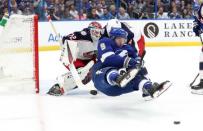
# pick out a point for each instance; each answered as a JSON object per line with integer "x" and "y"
{"x": 111, "y": 55}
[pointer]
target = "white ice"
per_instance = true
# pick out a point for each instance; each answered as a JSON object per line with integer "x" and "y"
{"x": 79, "y": 110}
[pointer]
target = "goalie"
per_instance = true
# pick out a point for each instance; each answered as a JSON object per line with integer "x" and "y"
{"x": 120, "y": 70}
{"x": 87, "y": 40}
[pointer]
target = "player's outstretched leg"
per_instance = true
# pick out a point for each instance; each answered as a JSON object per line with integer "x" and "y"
{"x": 121, "y": 77}
{"x": 198, "y": 89}
{"x": 154, "y": 90}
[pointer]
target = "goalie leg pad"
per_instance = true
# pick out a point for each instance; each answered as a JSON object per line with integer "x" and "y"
{"x": 67, "y": 82}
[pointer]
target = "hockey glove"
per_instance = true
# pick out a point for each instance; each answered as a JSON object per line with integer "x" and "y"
{"x": 133, "y": 63}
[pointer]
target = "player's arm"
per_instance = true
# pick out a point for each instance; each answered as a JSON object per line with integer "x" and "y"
{"x": 197, "y": 27}
{"x": 198, "y": 22}
{"x": 135, "y": 38}
{"x": 108, "y": 57}
{"x": 78, "y": 35}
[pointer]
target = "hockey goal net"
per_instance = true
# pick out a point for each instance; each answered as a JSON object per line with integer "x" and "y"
{"x": 19, "y": 55}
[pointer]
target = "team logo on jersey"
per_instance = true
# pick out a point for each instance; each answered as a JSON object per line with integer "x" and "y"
{"x": 151, "y": 30}
{"x": 83, "y": 33}
{"x": 102, "y": 46}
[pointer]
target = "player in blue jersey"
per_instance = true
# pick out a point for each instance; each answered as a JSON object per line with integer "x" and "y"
{"x": 198, "y": 30}
{"x": 120, "y": 70}
{"x": 134, "y": 38}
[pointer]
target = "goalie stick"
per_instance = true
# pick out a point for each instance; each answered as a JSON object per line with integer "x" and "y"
{"x": 71, "y": 66}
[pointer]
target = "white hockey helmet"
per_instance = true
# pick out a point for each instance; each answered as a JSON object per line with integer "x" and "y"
{"x": 113, "y": 23}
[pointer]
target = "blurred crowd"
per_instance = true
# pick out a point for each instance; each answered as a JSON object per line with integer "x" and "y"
{"x": 100, "y": 9}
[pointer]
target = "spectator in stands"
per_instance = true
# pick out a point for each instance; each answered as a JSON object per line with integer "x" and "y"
{"x": 102, "y": 2}
{"x": 15, "y": 10}
{"x": 73, "y": 12}
{"x": 86, "y": 5}
{"x": 174, "y": 14}
{"x": 144, "y": 15}
{"x": 182, "y": 5}
{"x": 159, "y": 4}
{"x": 39, "y": 8}
{"x": 130, "y": 10}
{"x": 59, "y": 8}
{"x": 28, "y": 11}
{"x": 93, "y": 14}
{"x": 82, "y": 15}
{"x": 150, "y": 8}
{"x": 113, "y": 11}
{"x": 1, "y": 9}
{"x": 99, "y": 10}
{"x": 122, "y": 14}
{"x": 26, "y": 6}
{"x": 141, "y": 5}
{"x": 106, "y": 15}
{"x": 67, "y": 15}
{"x": 109, "y": 2}
{"x": 185, "y": 14}
{"x": 124, "y": 4}
{"x": 13, "y": 4}
{"x": 166, "y": 1}
{"x": 172, "y": 5}
{"x": 161, "y": 14}
{"x": 52, "y": 11}
{"x": 189, "y": 8}
{"x": 80, "y": 9}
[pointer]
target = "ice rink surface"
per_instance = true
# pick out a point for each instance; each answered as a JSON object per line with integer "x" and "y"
{"x": 80, "y": 111}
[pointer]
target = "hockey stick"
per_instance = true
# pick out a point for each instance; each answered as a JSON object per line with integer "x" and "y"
{"x": 143, "y": 55}
{"x": 71, "y": 66}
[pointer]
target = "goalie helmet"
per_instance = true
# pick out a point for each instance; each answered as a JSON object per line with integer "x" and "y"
{"x": 95, "y": 30}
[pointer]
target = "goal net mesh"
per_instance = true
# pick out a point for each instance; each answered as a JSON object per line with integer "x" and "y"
{"x": 19, "y": 55}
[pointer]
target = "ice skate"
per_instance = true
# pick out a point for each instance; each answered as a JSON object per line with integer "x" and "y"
{"x": 56, "y": 90}
{"x": 197, "y": 89}
{"x": 156, "y": 90}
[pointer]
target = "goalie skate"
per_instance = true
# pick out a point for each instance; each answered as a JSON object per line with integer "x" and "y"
{"x": 56, "y": 90}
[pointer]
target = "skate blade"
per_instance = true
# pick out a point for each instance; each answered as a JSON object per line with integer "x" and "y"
{"x": 148, "y": 98}
{"x": 165, "y": 88}
{"x": 129, "y": 77}
{"x": 197, "y": 92}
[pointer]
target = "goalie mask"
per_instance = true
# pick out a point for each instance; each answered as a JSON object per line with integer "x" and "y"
{"x": 95, "y": 30}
